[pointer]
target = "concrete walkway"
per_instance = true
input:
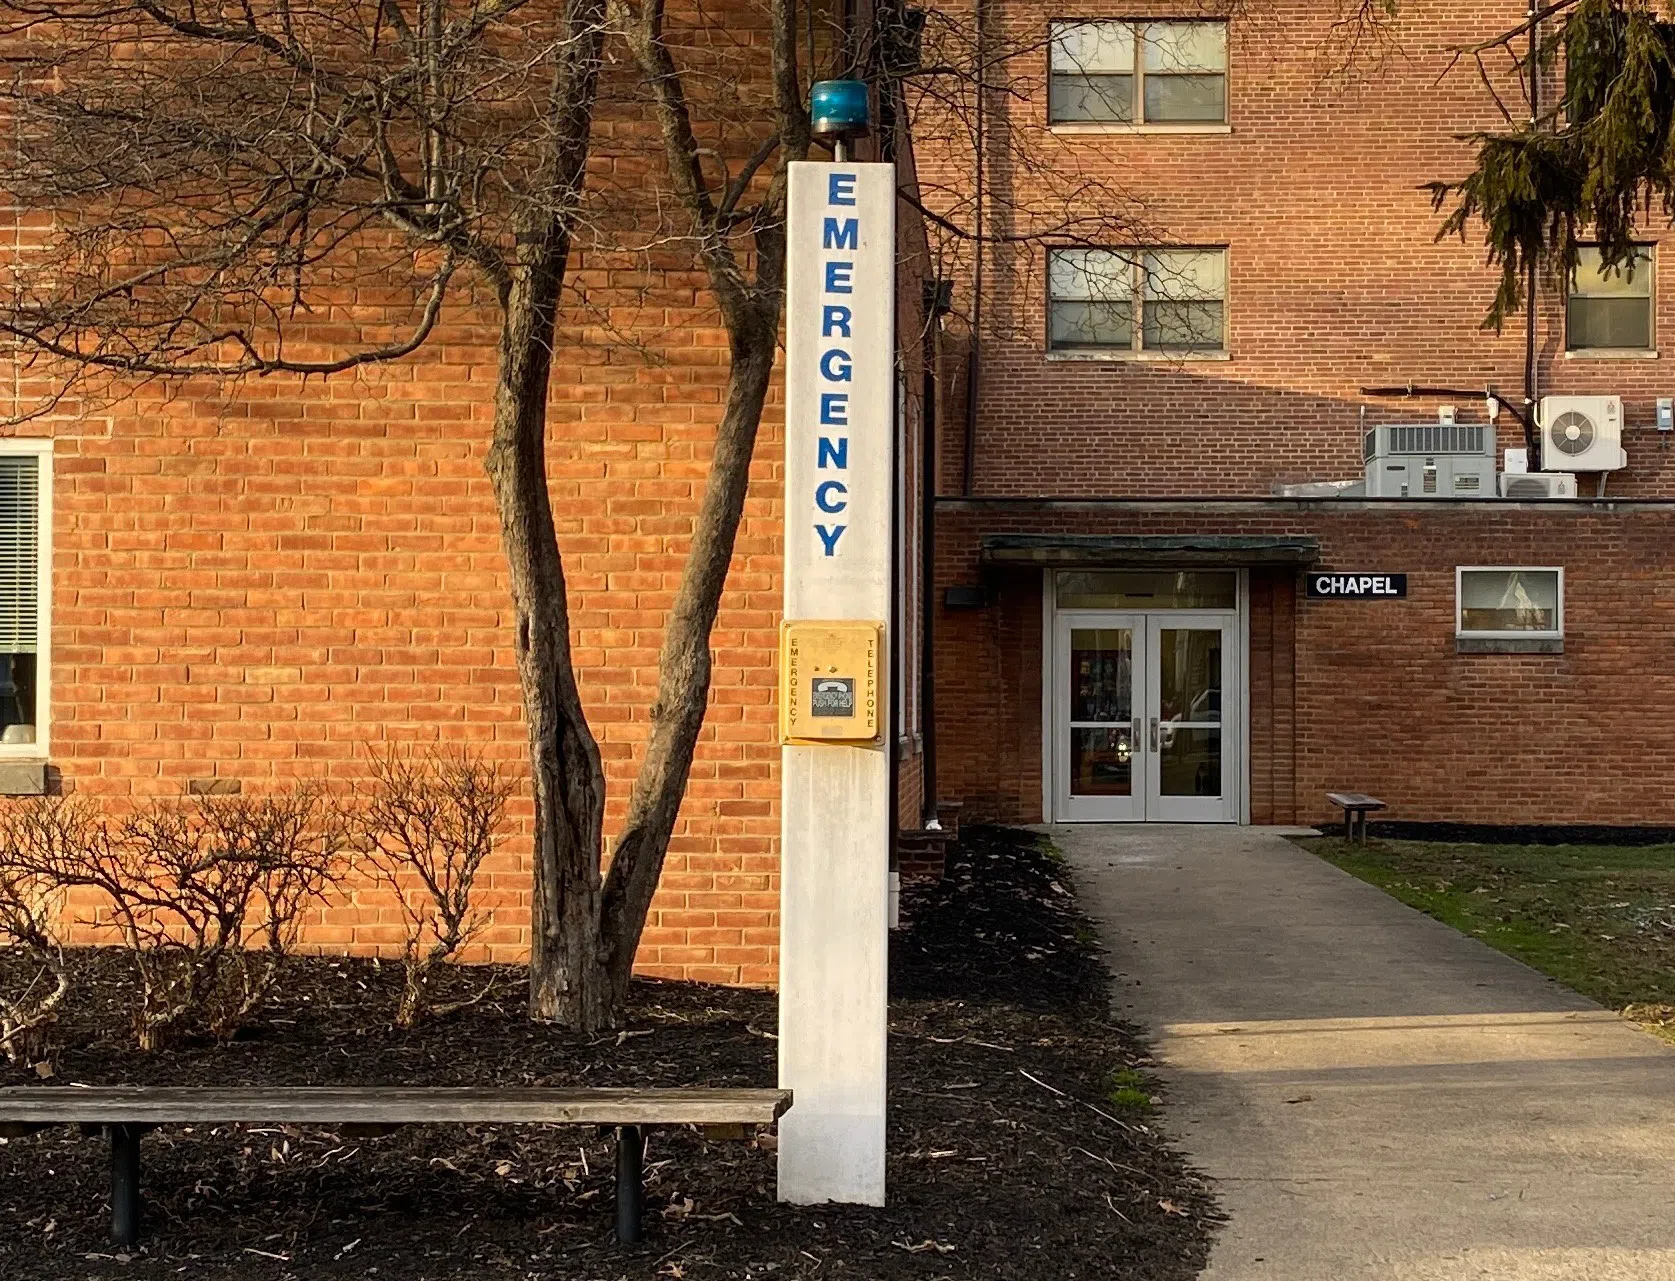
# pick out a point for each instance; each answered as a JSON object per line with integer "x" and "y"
{"x": 1376, "y": 1095}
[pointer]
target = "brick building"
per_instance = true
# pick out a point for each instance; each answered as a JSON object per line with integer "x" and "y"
{"x": 216, "y": 586}
{"x": 1123, "y": 557}
{"x": 253, "y": 583}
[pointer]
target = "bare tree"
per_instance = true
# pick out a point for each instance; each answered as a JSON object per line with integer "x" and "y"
{"x": 217, "y": 174}
{"x": 426, "y": 826}
{"x": 214, "y": 172}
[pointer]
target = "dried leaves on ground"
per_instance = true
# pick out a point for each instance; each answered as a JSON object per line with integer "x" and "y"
{"x": 1599, "y": 918}
{"x": 1009, "y": 1159}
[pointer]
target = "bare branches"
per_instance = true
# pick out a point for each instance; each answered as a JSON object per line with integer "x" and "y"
{"x": 1523, "y": 65}
{"x": 426, "y": 828}
{"x": 1538, "y": 18}
{"x": 207, "y": 896}
{"x": 34, "y": 978}
{"x": 1025, "y": 190}
{"x": 645, "y": 30}
{"x": 181, "y": 349}
{"x": 210, "y": 177}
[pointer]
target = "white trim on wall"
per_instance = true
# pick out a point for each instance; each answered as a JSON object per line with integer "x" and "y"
{"x": 39, "y": 448}
{"x": 1462, "y": 633}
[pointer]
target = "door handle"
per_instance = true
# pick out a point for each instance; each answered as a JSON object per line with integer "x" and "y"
{"x": 1154, "y": 734}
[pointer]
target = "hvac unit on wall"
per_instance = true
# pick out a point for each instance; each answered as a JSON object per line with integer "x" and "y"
{"x": 1582, "y": 433}
{"x": 1540, "y": 484}
{"x": 1430, "y": 460}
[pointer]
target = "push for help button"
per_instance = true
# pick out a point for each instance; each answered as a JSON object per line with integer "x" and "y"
{"x": 833, "y": 696}
{"x": 829, "y": 681}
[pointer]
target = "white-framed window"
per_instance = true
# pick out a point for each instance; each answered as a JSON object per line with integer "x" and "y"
{"x": 1165, "y": 300}
{"x": 25, "y": 596}
{"x": 1509, "y": 604}
{"x": 1137, "y": 73}
{"x": 1615, "y": 309}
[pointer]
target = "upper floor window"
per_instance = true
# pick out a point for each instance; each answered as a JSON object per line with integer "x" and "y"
{"x": 25, "y": 589}
{"x": 1137, "y": 300}
{"x": 1610, "y": 309}
{"x": 1138, "y": 73}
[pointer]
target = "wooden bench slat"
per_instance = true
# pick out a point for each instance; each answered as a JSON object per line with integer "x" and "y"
{"x": 1355, "y": 800}
{"x": 391, "y": 1104}
{"x": 127, "y": 1111}
{"x": 1355, "y": 805}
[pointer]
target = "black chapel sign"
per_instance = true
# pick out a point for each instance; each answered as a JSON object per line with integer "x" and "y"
{"x": 1357, "y": 586}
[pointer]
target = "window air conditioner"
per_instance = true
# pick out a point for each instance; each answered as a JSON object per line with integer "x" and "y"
{"x": 1582, "y": 433}
{"x": 1541, "y": 484}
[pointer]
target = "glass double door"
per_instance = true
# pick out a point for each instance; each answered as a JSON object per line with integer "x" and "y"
{"x": 1141, "y": 732}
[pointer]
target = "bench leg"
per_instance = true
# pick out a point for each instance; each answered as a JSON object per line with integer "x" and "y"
{"x": 630, "y": 1183}
{"x": 125, "y": 1184}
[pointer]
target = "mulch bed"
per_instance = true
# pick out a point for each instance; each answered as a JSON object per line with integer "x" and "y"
{"x": 1007, "y": 1160}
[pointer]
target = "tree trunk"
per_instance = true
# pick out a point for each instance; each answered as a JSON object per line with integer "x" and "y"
{"x": 683, "y": 680}
{"x": 566, "y": 774}
{"x": 566, "y": 977}
{"x": 751, "y": 312}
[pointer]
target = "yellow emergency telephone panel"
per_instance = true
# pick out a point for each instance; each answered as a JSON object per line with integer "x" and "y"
{"x": 828, "y": 681}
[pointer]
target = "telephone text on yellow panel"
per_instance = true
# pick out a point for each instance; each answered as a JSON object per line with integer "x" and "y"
{"x": 829, "y": 681}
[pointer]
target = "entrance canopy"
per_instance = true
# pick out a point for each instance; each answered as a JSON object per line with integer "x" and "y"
{"x": 1113, "y": 551}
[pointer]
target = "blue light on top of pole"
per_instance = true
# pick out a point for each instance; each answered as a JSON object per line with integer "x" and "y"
{"x": 839, "y": 109}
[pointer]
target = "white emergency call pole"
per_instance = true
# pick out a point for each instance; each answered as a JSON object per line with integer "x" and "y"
{"x": 835, "y": 765}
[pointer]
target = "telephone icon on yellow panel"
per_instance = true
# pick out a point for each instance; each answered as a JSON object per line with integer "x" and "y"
{"x": 829, "y": 681}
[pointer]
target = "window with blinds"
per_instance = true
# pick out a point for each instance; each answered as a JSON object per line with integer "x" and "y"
{"x": 1611, "y": 310}
{"x": 21, "y": 614}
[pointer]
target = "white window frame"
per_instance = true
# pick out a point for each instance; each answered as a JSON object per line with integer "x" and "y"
{"x": 1649, "y": 251}
{"x": 1138, "y": 122}
{"x": 41, "y": 450}
{"x": 1460, "y": 631}
{"x": 1136, "y": 349}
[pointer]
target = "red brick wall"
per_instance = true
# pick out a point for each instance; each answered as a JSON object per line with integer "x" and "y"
{"x": 1335, "y": 280}
{"x": 1272, "y": 669}
{"x": 1371, "y": 696}
{"x": 260, "y": 582}
{"x": 1335, "y": 283}
{"x": 259, "y": 585}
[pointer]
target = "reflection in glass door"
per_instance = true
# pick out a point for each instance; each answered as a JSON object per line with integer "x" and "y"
{"x": 1098, "y": 766}
{"x": 1186, "y": 681}
{"x": 1144, "y": 717}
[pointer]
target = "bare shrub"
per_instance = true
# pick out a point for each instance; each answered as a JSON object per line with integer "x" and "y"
{"x": 35, "y": 979}
{"x": 206, "y": 894}
{"x": 431, "y": 819}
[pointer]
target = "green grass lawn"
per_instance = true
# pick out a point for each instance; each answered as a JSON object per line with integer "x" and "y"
{"x": 1599, "y": 918}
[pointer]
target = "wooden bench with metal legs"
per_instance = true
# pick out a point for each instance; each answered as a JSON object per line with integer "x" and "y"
{"x": 126, "y": 1112}
{"x": 1352, "y": 804}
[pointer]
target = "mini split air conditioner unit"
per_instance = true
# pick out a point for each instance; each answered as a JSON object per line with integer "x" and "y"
{"x": 1582, "y": 433}
{"x": 1541, "y": 484}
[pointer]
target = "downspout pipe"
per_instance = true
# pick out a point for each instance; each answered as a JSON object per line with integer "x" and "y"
{"x": 1532, "y": 283}
{"x": 974, "y": 359}
{"x": 927, "y": 566}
